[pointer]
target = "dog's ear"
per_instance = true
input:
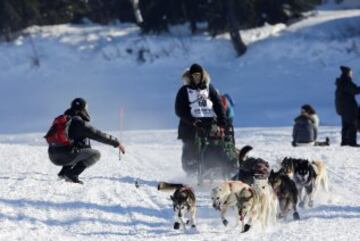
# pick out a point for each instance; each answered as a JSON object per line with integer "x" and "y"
{"x": 272, "y": 172}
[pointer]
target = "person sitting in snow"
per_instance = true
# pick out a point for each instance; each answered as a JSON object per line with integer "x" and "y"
{"x": 197, "y": 105}
{"x": 305, "y": 129}
{"x": 69, "y": 141}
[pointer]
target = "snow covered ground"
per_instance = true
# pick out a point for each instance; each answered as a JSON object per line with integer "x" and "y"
{"x": 115, "y": 67}
{"x": 284, "y": 68}
{"x": 35, "y": 205}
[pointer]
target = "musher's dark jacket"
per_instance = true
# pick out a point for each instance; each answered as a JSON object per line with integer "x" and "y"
{"x": 186, "y": 129}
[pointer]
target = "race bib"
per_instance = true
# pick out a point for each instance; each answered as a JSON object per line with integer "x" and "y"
{"x": 200, "y": 103}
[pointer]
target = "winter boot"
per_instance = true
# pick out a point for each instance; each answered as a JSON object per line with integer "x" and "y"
{"x": 73, "y": 175}
{"x": 327, "y": 141}
{"x": 63, "y": 171}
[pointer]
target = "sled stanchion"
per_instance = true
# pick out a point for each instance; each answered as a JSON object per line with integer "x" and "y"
{"x": 202, "y": 144}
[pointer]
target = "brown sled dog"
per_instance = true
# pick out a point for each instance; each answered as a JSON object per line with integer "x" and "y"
{"x": 184, "y": 203}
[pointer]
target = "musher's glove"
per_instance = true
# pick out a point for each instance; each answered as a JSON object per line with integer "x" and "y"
{"x": 222, "y": 132}
{"x": 198, "y": 123}
{"x": 121, "y": 148}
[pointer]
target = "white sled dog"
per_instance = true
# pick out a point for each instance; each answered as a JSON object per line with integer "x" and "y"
{"x": 223, "y": 197}
{"x": 184, "y": 203}
{"x": 256, "y": 202}
{"x": 259, "y": 203}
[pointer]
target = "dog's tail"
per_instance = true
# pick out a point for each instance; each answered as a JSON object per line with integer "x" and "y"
{"x": 243, "y": 152}
{"x": 166, "y": 186}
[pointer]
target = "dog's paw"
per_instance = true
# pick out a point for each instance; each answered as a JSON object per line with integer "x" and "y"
{"x": 301, "y": 204}
{"x": 176, "y": 225}
{"x": 192, "y": 230}
{"x": 187, "y": 222}
{"x": 296, "y": 216}
{"x": 225, "y": 222}
{"x": 246, "y": 228}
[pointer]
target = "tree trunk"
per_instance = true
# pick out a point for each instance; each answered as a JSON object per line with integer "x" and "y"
{"x": 233, "y": 27}
{"x": 137, "y": 12}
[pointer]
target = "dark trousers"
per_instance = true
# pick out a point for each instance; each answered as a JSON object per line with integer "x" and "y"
{"x": 86, "y": 156}
{"x": 189, "y": 156}
{"x": 348, "y": 131}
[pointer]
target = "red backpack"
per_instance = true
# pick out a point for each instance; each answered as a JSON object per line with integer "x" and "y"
{"x": 59, "y": 131}
{"x": 224, "y": 102}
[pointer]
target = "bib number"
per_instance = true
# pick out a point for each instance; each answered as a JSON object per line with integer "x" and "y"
{"x": 200, "y": 103}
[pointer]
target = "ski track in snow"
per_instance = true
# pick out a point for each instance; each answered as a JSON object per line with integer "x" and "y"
{"x": 35, "y": 205}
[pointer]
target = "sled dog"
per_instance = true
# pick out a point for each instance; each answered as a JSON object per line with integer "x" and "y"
{"x": 251, "y": 168}
{"x": 223, "y": 197}
{"x": 307, "y": 175}
{"x": 286, "y": 193}
{"x": 184, "y": 203}
{"x": 255, "y": 202}
{"x": 258, "y": 203}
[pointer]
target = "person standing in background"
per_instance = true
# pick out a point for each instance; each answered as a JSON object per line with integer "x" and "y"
{"x": 347, "y": 107}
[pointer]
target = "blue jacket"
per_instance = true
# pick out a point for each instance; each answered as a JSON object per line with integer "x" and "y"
{"x": 304, "y": 130}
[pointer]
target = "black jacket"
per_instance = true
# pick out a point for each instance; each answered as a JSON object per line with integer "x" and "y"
{"x": 304, "y": 130}
{"x": 345, "y": 101}
{"x": 80, "y": 131}
{"x": 186, "y": 129}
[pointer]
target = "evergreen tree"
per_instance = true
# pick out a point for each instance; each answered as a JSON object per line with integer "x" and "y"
{"x": 10, "y": 18}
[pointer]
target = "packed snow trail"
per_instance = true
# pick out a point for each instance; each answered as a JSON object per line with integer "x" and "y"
{"x": 35, "y": 205}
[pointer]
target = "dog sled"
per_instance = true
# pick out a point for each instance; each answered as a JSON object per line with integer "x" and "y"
{"x": 217, "y": 156}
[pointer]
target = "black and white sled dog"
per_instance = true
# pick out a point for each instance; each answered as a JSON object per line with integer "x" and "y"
{"x": 184, "y": 203}
{"x": 306, "y": 175}
{"x": 253, "y": 203}
{"x": 286, "y": 192}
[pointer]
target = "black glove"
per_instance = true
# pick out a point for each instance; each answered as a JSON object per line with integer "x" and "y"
{"x": 198, "y": 123}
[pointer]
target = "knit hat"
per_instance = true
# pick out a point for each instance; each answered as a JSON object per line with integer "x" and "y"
{"x": 308, "y": 109}
{"x": 196, "y": 68}
{"x": 79, "y": 105}
{"x": 345, "y": 69}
